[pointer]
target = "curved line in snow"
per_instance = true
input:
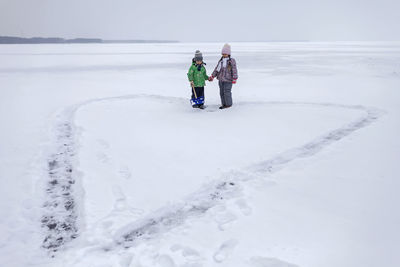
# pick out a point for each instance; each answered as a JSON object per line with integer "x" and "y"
{"x": 61, "y": 215}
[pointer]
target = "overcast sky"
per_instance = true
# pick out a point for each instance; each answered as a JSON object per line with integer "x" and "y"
{"x": 203, "y": 20}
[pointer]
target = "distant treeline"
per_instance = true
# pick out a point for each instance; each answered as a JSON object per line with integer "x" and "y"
{"x": 41, "y": 40}
{"x": 138, "y": 41}
{"x": 56, "y": 40}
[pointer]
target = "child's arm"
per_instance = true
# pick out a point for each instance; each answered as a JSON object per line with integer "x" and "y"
{"x": 190, "y": 74}
{"x": 205, "y": 74}
{"x": 234, "y": 70}
{"x": 215, "y": 72}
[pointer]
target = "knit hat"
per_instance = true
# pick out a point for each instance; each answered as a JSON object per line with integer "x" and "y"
{"x": 226, "y": 49}
{"x": 198, "y": 56}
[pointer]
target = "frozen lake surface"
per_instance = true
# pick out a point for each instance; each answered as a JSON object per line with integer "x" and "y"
{"x": 105, "y": 163}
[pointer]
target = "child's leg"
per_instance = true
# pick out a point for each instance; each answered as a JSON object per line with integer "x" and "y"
{"x": 200, "y": 95}
{"x": 193, "y": 98}
{"x": 199, "y": 91}
{"x": 221, "y": 93}
{"x": 228, "y": 94}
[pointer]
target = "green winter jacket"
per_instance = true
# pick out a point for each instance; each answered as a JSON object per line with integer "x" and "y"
{"x": 198, "y": 77}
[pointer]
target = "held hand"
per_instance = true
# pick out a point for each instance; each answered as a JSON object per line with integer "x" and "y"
{"x": 234, "y": 82}
{"x": 210, "y": 79}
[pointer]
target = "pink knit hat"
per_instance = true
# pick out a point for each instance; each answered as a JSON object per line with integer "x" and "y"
{"x": 226, "y": 49}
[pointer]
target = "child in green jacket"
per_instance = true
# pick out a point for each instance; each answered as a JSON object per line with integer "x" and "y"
{"x": 197, "y": 76}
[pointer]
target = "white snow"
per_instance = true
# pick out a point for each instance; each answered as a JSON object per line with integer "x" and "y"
{"x": 301, "y": 171}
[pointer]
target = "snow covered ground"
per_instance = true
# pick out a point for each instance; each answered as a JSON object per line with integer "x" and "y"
{"x": 104, "y": 162}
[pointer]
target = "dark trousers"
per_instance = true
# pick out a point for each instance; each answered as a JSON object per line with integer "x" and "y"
{"x": 225, "y": 92}
{"x": 199, "y": 92}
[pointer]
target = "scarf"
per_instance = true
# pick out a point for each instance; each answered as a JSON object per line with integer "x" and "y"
{"x": 222, "y": 63}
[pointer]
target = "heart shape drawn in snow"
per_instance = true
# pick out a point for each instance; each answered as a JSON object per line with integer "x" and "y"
{"x": 138, "y": 152}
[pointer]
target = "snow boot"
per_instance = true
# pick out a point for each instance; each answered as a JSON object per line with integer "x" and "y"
{"x": 224, "y": 107}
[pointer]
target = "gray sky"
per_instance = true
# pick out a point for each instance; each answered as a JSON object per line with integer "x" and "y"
{"x": 203, "y": 20}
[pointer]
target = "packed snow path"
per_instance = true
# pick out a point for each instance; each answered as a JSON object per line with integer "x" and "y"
{"x": 61, "y": 218}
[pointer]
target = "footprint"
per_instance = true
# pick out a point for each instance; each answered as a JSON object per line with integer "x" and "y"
{"x": 107, "y": 224}
{"x": 102, "y": 157}
{"x": 187, "y": 252}
{"x": 191, "y": 264}
{"x": 225, "y": 250}
{"x": 224, "y": 219}
{"x": 101, "y": 154}
{"x": 244, "y": 207}
{"x": 176, "y": 247}
{"x": 269, "y": 262}
{"x": 125, "y": 172}
{"x": 118, "y": 193}
{"x": 120, "y": 198}
{"x": 103, "y": 143}
{"x": 165, "y": 261}
{"x": 125, "y": 260}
